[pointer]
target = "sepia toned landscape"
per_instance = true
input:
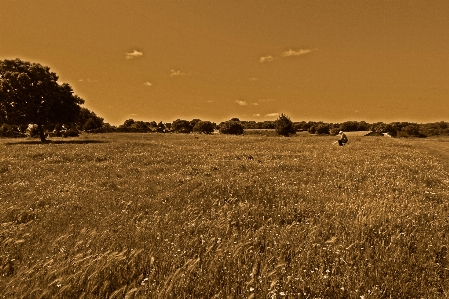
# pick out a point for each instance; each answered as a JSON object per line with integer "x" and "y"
{"x": 224, "y": 149}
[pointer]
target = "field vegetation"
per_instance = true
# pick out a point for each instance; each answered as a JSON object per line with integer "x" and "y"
{"x": 213, "y": 216}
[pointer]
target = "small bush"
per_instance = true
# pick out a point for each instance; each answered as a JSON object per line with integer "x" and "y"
{"x": 205, "y": 127}
{"x": 72, "y": 132}
{"x": 284, "y": 126}
{"x": 10, "y": 131}
{"x": 231, "y": 127}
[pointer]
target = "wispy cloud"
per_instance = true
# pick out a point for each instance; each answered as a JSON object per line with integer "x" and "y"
{"x": 256, "y": 115}
{"x": 241, "y": 103}
{"x": 272, "y": 114}
{"x": 267, "y": 100}
{"x": 133, "y": 54}
{"x": 174, "y": 73}
{"x": 291, "y": 52}
{"x": 147, "y": 84}
{"x": 87, "y": 80}
{"x": 266, "y": 59}
{"x": 252, "y": 79}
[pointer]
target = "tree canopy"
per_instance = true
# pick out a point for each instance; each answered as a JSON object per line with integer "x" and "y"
{"x": 30, "y": 93}
{"x": 284, "y": 126}
{"x": 231, "y": 127}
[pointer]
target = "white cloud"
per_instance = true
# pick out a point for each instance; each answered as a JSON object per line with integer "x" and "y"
{"x": 133, "y": 54}
{"x": 176, "y": 73}
{"x": 266, "y": 59}
{"x": 255, "y": 104}
{"x": 253, "y": 79}
{"x": 291, "y": 52}
{"x": 147, "y": 84}
{"x": 272, "y": 114}
{"x": 256, "y": 115}
{"x": 241, "y": 103}
{"x": 88, "y": 80}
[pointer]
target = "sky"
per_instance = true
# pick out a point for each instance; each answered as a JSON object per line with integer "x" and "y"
{"x": 317, "y": 60}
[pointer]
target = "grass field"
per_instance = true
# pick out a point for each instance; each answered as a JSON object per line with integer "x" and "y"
{"x": 194, "y": 216}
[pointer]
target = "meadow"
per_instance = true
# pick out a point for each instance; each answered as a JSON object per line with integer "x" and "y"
{"x": 196, "y": 216}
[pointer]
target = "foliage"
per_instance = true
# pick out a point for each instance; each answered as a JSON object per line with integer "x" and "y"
{"x": 322, "y": 129}
{"x": 10, "y": 131}
{"x": 160, "y": 127}
{"x": 72, "y": 132}
{"x": 384, "y": 128}
{"x": 87, "y": 120}
{"x": 284, "y": 126}
{"x": 30, "y": 93}
{"x": 128, "y": 123}
{"x": 268, "y": 124}
{"x": 151, "y": 216}
{"x": 205, "y": 127}
{"x": 181, "y": 126}
{"x": 231, "y": 127}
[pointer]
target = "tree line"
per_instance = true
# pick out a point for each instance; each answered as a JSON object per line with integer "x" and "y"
{"x": 285, "y": 127}
{"x": 34, "y": 103}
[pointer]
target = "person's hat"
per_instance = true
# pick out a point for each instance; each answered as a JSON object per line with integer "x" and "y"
{"x": 340, "y": 132}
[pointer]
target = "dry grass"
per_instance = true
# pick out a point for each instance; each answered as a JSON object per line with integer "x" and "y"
{"x": 174, "y": 216}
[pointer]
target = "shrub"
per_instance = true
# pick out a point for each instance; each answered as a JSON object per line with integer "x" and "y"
{"x": 205, "y": 127}
{"x": 322, "y": 129}
{"x": 284, "y": 126}
{"x": 72, "y": 132}
{"x": 10, "y": 131}
{"x": 231, "y": 127}
{"x": 181, "y": 126}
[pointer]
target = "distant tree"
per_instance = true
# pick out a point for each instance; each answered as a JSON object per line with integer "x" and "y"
{"x": 284, "y": 126}
{"x": 152, "y": 125}
{"x": 362, "y": 126}
{"x": 249, "y": 124}
{"x": 194, "y": 121}
{"x": 181, "y": 126}
{"x": 10, "y": 131}
{"x": 205, "y": 127}
{"x": 312, "y": 129}
{"x": 322, "y": 129}
{"x": 348, "y": 126}
{"x": 235, "y": 119}
{"x": 87, "y": 120}
{"x": 411, "y": 130}
{"x": 128, "y": 123}
{"x": 381, "y": 127}
{"x": 141, "y": 125}
{"x": 268, "y": 124}
{"x": 160, "y": 127}
{"x": 231, "y": 127}
{"x": 30, "y": 93}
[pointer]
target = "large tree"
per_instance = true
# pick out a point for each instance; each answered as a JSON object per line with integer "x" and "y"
{"x": 30, "y": 94}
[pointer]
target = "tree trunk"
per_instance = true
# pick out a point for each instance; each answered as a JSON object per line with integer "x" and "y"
{"x": 41, "y": 132}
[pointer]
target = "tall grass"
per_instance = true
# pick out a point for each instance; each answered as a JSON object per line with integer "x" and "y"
{"x": 174, "y": 216}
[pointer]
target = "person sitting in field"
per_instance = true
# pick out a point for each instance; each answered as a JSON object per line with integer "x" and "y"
{"x": 343, "y": 139}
